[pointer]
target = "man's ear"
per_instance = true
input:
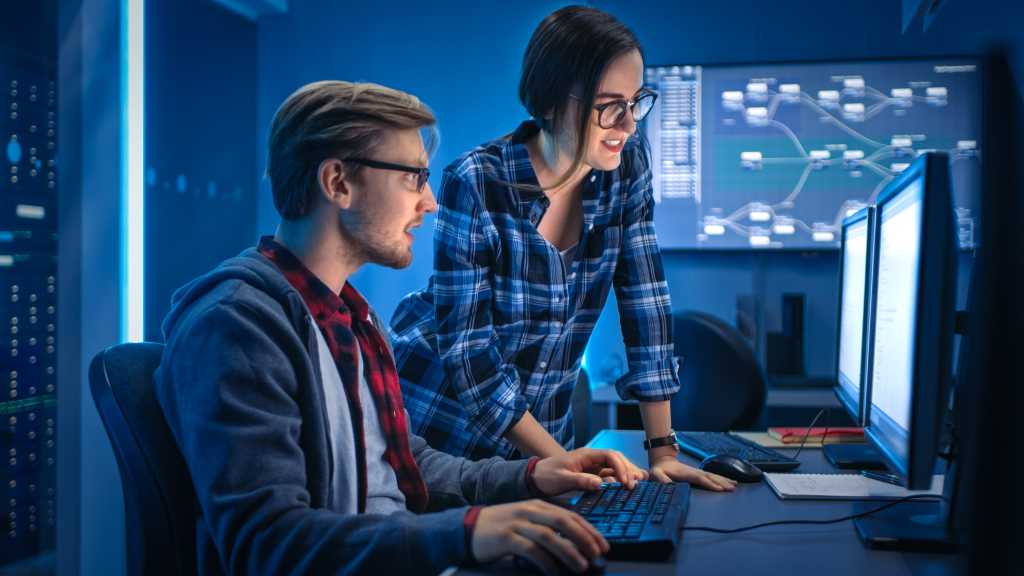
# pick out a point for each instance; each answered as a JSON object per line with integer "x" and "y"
{"x": 334, "y": 187}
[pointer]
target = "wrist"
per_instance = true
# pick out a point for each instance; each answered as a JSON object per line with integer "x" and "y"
{"x": 662, "y": 440}
{"x": 531, "y": 482}
{"x": 469, "y": 526}
{"x": 660, "y": 453}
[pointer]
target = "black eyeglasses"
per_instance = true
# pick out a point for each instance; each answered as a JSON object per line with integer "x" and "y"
{"x": 422, "y": 174}
{"x": 610, "y": 114}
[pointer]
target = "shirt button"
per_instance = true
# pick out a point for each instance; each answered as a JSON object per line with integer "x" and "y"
{"x": 590, "y": 226}
{"x": 593, "y": 177}
{"x": 543, "y": 364}
{"x": 557, "y": 298}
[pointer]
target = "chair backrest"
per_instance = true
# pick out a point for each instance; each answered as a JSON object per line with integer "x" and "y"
{"x": 158, "y": 498}
{"x": 722, "y": 384}
{"x": 581, "y": 410}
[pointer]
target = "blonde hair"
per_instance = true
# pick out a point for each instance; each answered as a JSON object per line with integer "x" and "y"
{"x": 333, "y": 119}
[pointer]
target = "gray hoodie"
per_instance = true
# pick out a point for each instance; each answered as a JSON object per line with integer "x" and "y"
{"x": 241, "y": 385}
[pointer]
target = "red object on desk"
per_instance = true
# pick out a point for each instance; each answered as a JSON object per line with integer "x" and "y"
{"x": 795, "y": 434}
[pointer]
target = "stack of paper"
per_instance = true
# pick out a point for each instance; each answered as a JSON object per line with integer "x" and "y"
{"x": 841, "y": 487}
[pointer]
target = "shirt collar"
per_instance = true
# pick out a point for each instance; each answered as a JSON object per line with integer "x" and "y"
{"x": 518, "y": 157}
{"x": 319, "y": 298}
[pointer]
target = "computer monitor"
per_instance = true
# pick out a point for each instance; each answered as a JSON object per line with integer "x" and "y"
{"x": 988, "y": 509}
{"x": 911, "y": 361}
{"x": 914, "y": 317}
{"x": 856, "y": 244}
{"x": 773, "y": 155}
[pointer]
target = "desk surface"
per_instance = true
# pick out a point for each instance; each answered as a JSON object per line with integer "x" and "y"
{"x": 832, "y": 549}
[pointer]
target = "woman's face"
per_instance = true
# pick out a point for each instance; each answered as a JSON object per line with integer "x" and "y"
{"x": 621, "y": 81}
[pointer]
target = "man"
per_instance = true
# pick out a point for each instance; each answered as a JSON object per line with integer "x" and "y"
{"x": 279, "y": 385}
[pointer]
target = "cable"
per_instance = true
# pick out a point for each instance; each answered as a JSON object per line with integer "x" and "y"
{"x": 924, "y": 497}
{"x": 803, "y": 440}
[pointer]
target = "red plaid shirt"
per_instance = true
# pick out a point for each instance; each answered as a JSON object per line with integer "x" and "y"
{"x": 345, "y": 320}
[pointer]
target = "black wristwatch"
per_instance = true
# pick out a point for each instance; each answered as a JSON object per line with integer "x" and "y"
{"x": 669, "y": 440}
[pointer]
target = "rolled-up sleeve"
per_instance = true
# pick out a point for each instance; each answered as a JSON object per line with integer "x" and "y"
{"x": 465, "y": 245}
{"x": 645, "y": 309}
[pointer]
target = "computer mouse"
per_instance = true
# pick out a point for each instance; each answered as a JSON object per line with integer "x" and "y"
{"x": 732, "y": 467}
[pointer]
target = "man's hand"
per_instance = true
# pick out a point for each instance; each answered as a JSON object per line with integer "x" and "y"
{"x": 583, "y": 469}
{"x": 668, "y": 468}
{"x": 539, "y": 531}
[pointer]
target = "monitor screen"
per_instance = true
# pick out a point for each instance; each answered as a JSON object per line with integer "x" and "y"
{"x": 775, "y": 156}
{"x": 851, "y": 312}
{"x": 895, "y": 319}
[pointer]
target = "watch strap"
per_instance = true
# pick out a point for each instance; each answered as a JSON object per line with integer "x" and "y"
{"x": 669, "y": 440}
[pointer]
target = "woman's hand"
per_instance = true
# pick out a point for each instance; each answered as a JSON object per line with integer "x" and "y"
{"x": 668, "y": 468}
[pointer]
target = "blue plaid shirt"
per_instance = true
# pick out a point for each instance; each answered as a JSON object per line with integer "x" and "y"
{"x": 503, "y": 324}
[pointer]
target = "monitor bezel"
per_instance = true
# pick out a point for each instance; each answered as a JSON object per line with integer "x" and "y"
{"x": 933, "y": 324}
{"x": 856, "y": 407}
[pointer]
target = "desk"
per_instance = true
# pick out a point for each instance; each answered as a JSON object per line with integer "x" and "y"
{"x": 832, "y": 550}
{"x": 605, "y": 401}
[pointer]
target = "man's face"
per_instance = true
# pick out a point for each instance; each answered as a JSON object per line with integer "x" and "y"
{"x": 386, "y": 205}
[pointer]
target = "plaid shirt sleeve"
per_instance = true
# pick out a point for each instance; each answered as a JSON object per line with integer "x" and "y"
{"x": 645, "y": 310}
{"x": 466, "y": 341}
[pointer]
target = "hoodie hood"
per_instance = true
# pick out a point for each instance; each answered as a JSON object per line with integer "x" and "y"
{"x": 251, "y": 268}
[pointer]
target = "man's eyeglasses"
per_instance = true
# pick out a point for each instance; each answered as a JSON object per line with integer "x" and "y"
{"x": 422, "y": 174}
{"x": 610, "y": 114}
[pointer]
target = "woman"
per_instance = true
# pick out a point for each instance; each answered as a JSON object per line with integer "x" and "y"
{"x": 532, "y": 231}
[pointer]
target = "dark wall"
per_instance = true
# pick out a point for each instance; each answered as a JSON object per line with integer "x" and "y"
{"x": 201, "y": 129}
{"x": 29, "y": 28}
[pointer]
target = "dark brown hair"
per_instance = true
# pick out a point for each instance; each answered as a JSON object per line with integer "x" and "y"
{"x": 567, "y": 54}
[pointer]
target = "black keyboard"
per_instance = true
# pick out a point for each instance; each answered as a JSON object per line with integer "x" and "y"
{"x": 639, "y": 524}
{"x": 703, "y": 444}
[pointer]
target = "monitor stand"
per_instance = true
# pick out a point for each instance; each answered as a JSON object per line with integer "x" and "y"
{"x": 908, "y": 526}
{"x": 853, "y": 456}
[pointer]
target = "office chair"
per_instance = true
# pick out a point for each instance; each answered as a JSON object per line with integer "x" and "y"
{"x": 159, "y": 504}
{"x": 581, "y": 410}
{"x": 722, "y": 384}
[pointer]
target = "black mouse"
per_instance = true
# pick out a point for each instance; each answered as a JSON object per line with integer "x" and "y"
{"x": 732, "y": 467}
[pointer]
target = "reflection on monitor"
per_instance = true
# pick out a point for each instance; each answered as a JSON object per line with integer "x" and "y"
{"x": 853, "y": 309}
{"x": 777, "y": 155}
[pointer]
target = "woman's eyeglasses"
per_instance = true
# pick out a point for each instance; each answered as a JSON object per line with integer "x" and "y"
{"x": 610, "y": 114}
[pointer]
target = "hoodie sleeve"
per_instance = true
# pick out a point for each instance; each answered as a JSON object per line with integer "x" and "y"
{"x": 228, "y": 387}
{"x": 455, "y": 481}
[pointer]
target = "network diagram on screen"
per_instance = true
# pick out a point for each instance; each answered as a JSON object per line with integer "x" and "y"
{"x": 777, "y": 155}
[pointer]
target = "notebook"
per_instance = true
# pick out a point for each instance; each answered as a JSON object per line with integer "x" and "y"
{"x": 834, "y": 435}
{"x": 841, "y": 487}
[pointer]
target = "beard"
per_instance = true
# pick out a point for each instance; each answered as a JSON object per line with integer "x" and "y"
{"x": 366, "y": 232}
